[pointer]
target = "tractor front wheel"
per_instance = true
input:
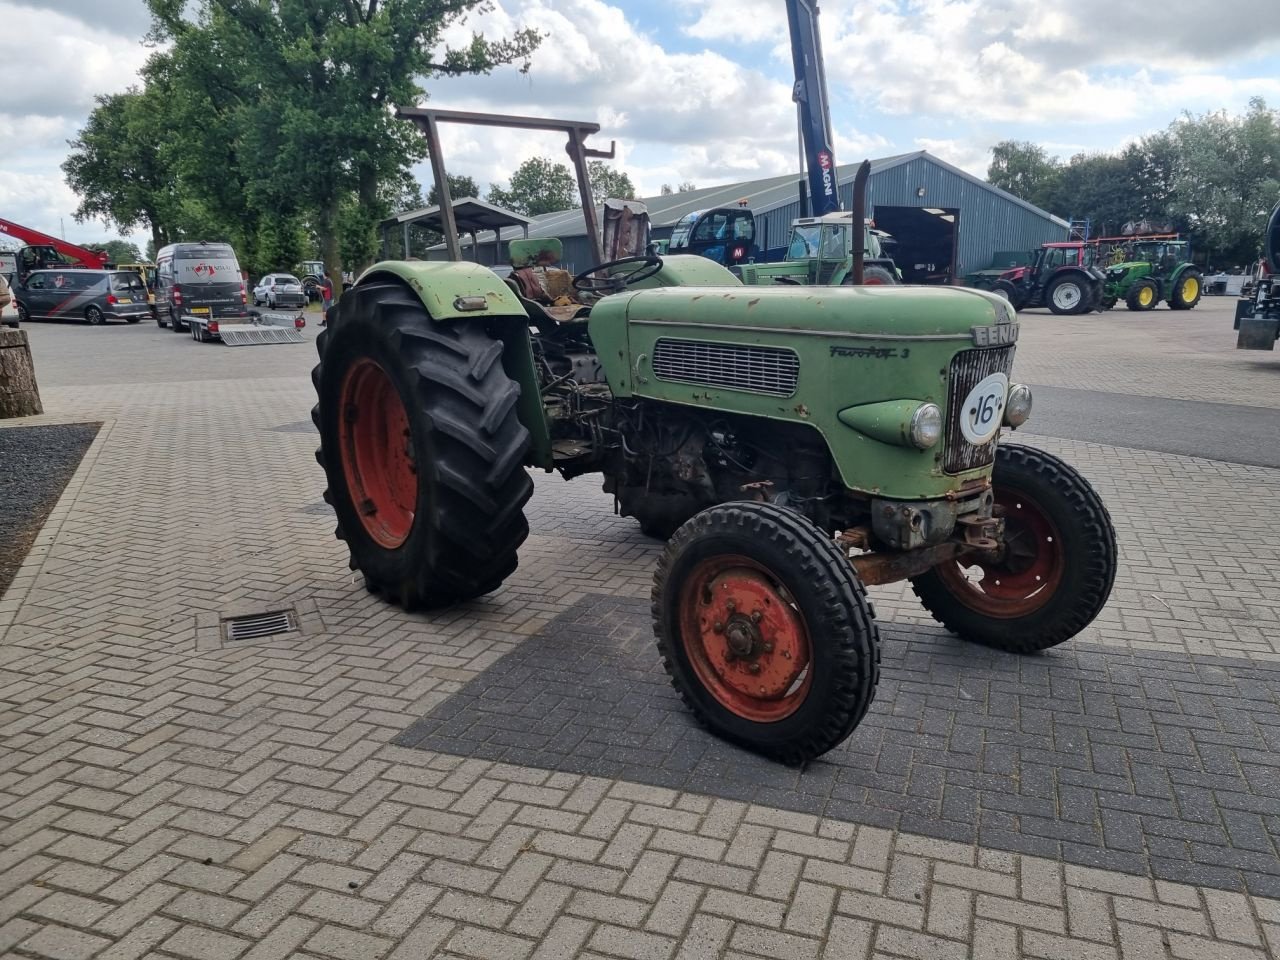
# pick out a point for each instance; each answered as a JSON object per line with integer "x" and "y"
{"x": 1142, "y": 296}
{"x": 877, "y": 276}
{"x": 1006, "y": 290}
{"x": 422, "y": 448}
{"x": 1068, "y": 295}
{"x": 1055, "y": 571}
{"x": 766, "y": 631}
{"x": 1187, "y": 290}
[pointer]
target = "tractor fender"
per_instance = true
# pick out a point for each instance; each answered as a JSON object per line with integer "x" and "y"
{"x": 452, "y": 291}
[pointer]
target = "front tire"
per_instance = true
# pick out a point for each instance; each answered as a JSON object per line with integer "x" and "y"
{"x": 422, "y": 448}
{"x": 1187, "y": 290}
{"x": 877, "y": 276}
{"x": 1058, "y": 566}
{"x": 1068, "y": 296}
{"x": 1006, "y": 290}
{"x": 765, "y": 630}
{"x": 1142, "y": 296}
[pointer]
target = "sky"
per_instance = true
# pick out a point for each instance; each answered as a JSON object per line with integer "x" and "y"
{"x": 700, "y": 90}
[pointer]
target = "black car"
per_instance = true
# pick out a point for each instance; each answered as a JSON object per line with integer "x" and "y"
{"x": 81, "y": 294}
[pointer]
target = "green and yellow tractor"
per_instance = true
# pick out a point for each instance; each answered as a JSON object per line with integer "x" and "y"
{"x": 1154, "y": 270}
{"x": 796, "y": 445}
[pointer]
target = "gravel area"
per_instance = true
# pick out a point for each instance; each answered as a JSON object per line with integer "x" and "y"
{"x": 35, "y": 465}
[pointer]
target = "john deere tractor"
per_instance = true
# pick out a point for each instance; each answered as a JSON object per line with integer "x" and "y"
{"x": 796, "y": 445}
{"x": 1154, "y": 270}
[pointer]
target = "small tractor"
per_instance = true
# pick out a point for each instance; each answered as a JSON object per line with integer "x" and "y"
{"x": 1258, "y": 314}
{"x": 1154, "y": 270}
{"x": 1062, "y": 277}
{"x": 796, "y": 445}
{"x": 821, "y": 252}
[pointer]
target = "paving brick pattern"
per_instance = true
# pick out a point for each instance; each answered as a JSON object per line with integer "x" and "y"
{"x": 162, "y": 800}
{"x": 1146, "y": 764}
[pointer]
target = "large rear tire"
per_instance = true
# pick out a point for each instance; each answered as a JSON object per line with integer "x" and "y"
{"x": 422, "y": 447}
{"x": 1058, "y": 566}
{"x": 765, "y": 629}
{"x": 1187, "y": 290}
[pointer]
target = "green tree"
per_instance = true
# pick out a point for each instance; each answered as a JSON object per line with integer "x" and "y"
{"x": 688, "y": 186}
{"x": 305, "y": 91}
{"x": 538, "y": 186}
{"x": 1227, "y": 178}
{"x": 117, "y": 168}
{"x": 117, "y": 251}
{"x": 460, "y": 185}
{"x": 607, "y": 182}
{"x": 1025, "y": 170}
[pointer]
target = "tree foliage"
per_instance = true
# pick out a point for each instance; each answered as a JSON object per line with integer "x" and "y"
{"x": 1214, "y": 177}
{"x": 538, "y": 186}
{"x": 271, "y": 124}
{"x": 117, "y": 251}
{"x": 607, "y": 182}
{"x": 460, "y": 185}
{"x": 687, "y": 186}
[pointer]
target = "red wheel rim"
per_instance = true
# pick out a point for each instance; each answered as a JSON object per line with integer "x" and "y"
{"x": 1028, "y": 573}
{"x": 874, "y": 282}
{"x": 745, "y": 639}
{"x": 377, "y": 453}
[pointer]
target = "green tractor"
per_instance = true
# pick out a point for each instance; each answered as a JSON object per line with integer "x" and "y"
{"x": 796, "y": 446}
{"x": 1155, "y": 270}
{"x": 820, "y": 251}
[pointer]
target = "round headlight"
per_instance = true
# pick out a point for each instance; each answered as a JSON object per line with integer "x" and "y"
{"x": 926, "y": 426}
{"x": 1017, "y": 407}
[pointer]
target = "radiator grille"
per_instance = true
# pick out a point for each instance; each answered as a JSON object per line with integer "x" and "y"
{"x": 770, "y": 370}
{"x": 968, "y": 369}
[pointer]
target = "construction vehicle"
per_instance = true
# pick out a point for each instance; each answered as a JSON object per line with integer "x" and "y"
{"x": 41, "y": 251}
{"x": 723, "y": 234}
{"x": 1258, "y": 315}
{"x": 1154, "y": 270}
{"x": 796, "y": 444}
{"x": 1062, "y": 277}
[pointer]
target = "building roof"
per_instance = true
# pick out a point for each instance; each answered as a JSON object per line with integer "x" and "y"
{"x": 760, "y": 196}
{"x": 470, "y": 214}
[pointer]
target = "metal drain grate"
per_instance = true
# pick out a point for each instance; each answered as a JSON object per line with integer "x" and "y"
{"x": 258, "y": 625}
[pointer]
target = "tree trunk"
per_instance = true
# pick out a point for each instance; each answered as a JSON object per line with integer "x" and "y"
{"x": 330, "y": 249}
{"x": 19, "y": 396}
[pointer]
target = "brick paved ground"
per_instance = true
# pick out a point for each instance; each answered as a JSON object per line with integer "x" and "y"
{"x": 166, "y": 793}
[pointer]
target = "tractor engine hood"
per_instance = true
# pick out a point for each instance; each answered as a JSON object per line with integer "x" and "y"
{"x": 854, "y": 313}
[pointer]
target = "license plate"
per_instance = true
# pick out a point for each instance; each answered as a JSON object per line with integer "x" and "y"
{"x": 123, "y": 300}
{"x": 199, "y": 309}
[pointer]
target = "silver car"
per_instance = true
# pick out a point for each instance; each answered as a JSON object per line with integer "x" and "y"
{"x": 279, "y": 290}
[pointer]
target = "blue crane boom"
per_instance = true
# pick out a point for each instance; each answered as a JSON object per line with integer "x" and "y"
{"x": 810, "y": 92}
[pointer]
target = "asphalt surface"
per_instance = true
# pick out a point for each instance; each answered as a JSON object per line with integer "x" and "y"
{"x": 1216, "y": 431}
{"x": 37, "y": 463}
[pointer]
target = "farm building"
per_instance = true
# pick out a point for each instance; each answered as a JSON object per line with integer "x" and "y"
{"x": 946, "y": 222}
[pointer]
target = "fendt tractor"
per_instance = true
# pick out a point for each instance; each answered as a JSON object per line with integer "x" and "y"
{"x": 1258, "y": 315}
{"x": 797, "y": 443}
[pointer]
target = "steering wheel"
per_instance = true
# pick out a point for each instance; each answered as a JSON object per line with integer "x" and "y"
{"x": 589, "y": 281}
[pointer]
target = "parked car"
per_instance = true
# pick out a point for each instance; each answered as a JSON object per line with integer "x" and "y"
{"x": 279, "y": 290}
{"x": 73, "y": 293}
{"x": 8, "y": 307}
{"x": 201, "y": 279}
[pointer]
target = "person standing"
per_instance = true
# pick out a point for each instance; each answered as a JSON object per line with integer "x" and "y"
{"x": 326, "y": 299}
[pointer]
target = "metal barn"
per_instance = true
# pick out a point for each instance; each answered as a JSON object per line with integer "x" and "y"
{"x": 946, "y": 222}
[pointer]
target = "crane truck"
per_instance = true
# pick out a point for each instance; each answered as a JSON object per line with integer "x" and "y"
{"x": 40, "y": 250}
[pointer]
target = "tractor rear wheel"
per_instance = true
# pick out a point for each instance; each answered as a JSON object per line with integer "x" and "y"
{"x": 1056, "y": 570}
{"x": 422, "y": 448}
{"x": 766, "y": 631}
{"x": 1068, "y": 295}
{"x": 1142, "y": 296}
{"x": 1187, "y": 290}
{"x": 877, "y": 276}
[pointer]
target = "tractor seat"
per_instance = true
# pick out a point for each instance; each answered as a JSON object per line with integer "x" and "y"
{"x": 545, "y": 290}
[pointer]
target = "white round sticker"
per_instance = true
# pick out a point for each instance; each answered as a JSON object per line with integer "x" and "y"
{"x": 983, "y": 409}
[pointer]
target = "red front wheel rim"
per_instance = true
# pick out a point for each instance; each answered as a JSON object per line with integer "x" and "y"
{"x": 377, "y": 453}
{"x": 745, "y": 639}
{"x": 1029, "y": 571}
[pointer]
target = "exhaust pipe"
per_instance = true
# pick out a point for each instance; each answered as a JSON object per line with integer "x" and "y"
{"x": 860, "y": 219}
